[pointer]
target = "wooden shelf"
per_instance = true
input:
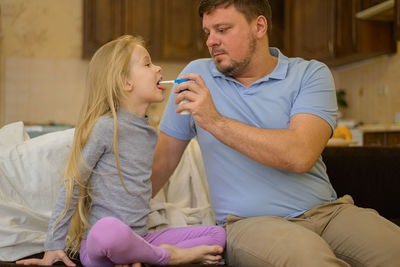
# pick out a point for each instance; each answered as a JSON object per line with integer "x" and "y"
{"x": 383, "y": 11}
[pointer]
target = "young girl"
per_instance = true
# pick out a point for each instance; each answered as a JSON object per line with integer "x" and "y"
{"x": 105, "y": 201}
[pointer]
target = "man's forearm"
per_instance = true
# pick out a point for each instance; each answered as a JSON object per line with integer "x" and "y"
{"x": 158, "y": 179}
{"x": 167, "y": 155}
{"x": 295, "y": 149}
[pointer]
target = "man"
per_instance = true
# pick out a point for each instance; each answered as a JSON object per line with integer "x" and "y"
{"x": 262, "y": 121}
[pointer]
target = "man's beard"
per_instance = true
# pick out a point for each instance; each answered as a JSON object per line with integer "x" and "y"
{"x": 236, "y": 68}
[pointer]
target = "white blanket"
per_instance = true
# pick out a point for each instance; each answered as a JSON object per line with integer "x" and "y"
{"x": 31, "y": 175}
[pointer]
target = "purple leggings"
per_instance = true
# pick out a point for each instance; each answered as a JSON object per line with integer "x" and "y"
{"x": 110, "y": 242}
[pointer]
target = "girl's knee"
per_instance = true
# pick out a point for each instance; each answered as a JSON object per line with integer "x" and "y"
{"x": 107, "y": 231}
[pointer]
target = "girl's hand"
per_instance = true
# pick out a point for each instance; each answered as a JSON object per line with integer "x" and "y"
{"x": 49, "y": 258}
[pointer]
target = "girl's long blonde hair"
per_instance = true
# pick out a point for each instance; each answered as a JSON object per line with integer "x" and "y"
{"x": 108, "y": 71}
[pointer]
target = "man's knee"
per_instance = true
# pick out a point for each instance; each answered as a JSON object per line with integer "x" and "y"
{"x": 364, "y": 238}
{"x": 250, "y": 241}
{"x": 272, "y": 241}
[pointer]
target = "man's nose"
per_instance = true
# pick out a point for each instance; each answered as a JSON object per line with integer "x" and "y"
{"x": 212, "y": 40}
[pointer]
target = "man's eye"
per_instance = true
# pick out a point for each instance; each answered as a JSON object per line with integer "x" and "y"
{"x": 222, "y": 30}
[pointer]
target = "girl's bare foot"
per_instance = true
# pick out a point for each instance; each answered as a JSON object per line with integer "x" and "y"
{"x": 204, "y": 254}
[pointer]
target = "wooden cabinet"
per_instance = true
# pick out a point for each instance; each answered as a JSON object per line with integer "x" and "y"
{"x": 278, "y": 25}
{"x": 381, "y": 138}
{"x": 330, "y": 32}
{"x": 309, "y": 31}
{"x": 179, "y": 30}
{"x": 171, "y": 28}
{"x": 326, "y": 30}
{"x": 323, "y": 30}
{"x": 382, "y": 27}
{"x": 102, "y": 23}
{"x": 396, "y": 29}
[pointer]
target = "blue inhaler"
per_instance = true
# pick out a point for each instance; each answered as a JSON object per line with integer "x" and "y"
{"x": 178, "y": 81}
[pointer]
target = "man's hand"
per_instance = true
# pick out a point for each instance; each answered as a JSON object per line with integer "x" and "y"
{"x": 49, "y": 258}
{"x": 201, "y": 104}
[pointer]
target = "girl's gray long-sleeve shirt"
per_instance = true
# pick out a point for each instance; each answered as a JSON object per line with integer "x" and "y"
{"x": 136, "y": 150}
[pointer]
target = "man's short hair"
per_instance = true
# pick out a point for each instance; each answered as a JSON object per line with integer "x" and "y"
{"x": 251, "y": 9}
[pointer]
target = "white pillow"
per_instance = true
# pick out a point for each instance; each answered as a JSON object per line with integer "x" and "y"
{"x": 12, "y": 134}
{"x": 30, "y": 179}
{"x": 31, "y": 171}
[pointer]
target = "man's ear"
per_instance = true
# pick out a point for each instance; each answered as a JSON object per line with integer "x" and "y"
{"x": 262, "y": 26}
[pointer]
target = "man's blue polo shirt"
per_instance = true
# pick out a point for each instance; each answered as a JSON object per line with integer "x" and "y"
{"x": 239, "y": 185}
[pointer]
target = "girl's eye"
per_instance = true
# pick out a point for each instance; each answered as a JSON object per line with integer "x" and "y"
{"x": 148, "y": 64}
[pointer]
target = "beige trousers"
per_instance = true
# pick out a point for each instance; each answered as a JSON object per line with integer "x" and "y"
{"x": 334, "y": 234}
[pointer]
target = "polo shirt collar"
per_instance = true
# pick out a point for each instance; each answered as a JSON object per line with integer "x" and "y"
{"x": 279, "y": 73}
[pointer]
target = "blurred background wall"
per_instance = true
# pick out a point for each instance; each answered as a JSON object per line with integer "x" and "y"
{"x": 372, "y": 89}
